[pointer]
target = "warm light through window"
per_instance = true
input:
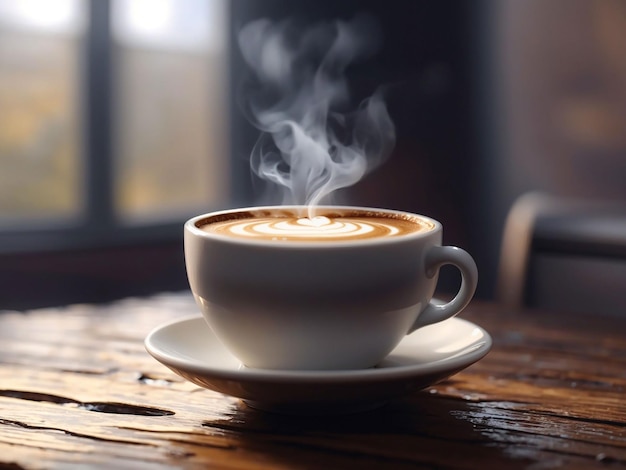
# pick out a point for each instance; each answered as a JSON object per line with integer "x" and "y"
{"x": 42, "y": 15}
{"x": 169, "y": 24}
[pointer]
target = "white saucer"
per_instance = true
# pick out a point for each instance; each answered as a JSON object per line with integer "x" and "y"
{"x": 432, "y": 353}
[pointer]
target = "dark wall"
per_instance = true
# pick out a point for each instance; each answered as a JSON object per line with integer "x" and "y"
{"x": 103, "y": 274}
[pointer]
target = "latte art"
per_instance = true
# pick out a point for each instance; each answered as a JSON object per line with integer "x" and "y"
{"x": 320, "y": 228}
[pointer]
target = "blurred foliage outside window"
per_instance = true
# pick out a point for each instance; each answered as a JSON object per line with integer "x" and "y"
{"x": 169, "y": 105}
{"x": 40, "y": 126}
{"x": 168, "y": 108}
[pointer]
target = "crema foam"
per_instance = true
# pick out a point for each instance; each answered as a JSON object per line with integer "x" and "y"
{"x": 330, "y": 227}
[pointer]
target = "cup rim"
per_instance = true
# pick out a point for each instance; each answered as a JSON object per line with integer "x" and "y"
{"x": 191, "y": 227}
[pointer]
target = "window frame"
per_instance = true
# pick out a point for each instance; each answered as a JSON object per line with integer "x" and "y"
{"x": 98, "y": 255}
{"x": 97, "y": 224}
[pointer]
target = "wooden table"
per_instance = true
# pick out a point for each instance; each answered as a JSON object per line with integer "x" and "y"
{"x": 78, "y": 390}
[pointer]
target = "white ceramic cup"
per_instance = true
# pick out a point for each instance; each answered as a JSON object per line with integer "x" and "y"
{"x": 320, "y": 305}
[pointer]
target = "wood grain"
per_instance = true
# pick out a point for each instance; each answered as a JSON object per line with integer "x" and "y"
{"x": 78, "y": 390}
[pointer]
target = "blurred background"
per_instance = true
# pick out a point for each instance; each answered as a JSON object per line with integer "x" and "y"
{"x": 119, "y": 120}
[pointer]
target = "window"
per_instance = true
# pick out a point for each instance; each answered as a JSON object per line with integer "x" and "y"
{"x": 112, "y": 118}
{"x": 113, "y": 131}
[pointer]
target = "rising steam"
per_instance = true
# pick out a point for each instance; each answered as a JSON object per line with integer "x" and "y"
{"x": 312, "y": 143}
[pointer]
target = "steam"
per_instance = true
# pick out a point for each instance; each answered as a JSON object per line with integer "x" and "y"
{"x": 311, "y": 142}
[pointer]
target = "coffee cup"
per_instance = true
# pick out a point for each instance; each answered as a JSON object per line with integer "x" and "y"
{"x": 282, "y": 289}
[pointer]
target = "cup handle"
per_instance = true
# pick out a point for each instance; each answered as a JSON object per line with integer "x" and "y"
{"x": 436, "y": 257}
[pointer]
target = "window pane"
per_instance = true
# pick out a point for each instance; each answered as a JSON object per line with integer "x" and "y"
{"x": 169, "y": 106}
{"x": 40, "y": 167}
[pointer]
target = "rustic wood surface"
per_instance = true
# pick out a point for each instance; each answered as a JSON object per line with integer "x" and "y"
{"x": 78, "y": 390}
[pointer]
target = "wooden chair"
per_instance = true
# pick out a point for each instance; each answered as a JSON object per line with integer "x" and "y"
{"x": 564, "y": 254}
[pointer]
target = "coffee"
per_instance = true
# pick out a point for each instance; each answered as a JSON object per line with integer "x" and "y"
{"x": 284, "y": 225}
{"x": 343, "y": 290}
